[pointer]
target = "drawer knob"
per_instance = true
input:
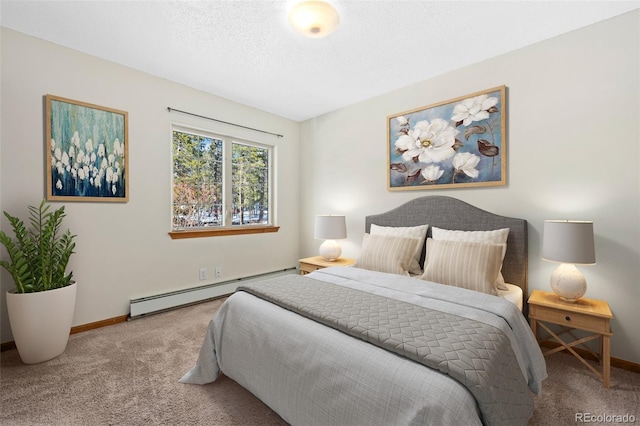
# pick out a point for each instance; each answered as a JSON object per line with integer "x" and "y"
{"x": 568, "y": 318}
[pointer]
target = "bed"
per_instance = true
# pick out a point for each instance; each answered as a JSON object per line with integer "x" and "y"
{"x": 359, "y": 346}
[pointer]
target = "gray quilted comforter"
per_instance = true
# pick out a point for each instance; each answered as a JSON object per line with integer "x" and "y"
{"x": 314, "y": 375}
{"x": 476, "y": 354}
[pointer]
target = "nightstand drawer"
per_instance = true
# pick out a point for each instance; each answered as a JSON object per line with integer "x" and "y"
{"x": 570, "y": 319}
{"x": 306, "y": 268}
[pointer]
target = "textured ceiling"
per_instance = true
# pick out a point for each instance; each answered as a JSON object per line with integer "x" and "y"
{"x": 245, "y": 51}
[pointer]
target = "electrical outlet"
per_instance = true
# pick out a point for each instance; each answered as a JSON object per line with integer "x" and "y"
{"x": 203, "y": 274}
{"x": 218, "y": 271}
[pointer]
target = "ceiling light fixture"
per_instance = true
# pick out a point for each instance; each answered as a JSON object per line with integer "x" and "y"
{"x": 315, "y": 19}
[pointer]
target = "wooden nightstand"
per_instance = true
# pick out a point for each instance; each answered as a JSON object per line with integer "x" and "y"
{"x": 311, "y": 264}
{"x": 586, "y": 314}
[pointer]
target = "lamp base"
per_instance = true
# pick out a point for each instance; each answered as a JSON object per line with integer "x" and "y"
{"x": 568, "y": 283}
{"x": 330, "y": 250}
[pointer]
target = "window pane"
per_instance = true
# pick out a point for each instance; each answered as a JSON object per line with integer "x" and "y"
{"x": 197, "y": 180}
{"x": 250, "y": 184}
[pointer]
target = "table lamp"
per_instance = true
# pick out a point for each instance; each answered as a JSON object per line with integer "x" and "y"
{"x": 568, "y": 242}
{"x": 330, "y": 228}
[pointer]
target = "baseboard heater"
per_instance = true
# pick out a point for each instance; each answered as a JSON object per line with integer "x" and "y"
{"x": 163, "y": 302}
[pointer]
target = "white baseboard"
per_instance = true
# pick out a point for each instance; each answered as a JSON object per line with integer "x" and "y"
{"x": 161, "y": 302}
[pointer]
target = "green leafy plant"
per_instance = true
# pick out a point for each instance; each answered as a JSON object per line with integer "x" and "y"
{"x": 39, "y": 255}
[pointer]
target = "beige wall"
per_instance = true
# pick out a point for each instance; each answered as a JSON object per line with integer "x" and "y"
{"x": 573, "y": 152}
{"x": 123, "y": 250}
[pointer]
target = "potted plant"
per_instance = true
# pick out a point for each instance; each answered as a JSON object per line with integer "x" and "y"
{"x": 42, "y": 305}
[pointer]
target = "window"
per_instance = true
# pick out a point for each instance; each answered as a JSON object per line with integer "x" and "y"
{"x": 220, "y": 183}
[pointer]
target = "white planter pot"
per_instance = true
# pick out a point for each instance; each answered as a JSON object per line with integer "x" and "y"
{"x": 41, "y": 322}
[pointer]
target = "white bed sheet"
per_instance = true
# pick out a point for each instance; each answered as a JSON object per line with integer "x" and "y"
{"x": 513, "y": 293}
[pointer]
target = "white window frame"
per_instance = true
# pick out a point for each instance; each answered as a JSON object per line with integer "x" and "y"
{"x": 227, "y": 227}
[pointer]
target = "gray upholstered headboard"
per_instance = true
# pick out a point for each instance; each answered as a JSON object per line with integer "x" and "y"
{"x": 451, "y": 213}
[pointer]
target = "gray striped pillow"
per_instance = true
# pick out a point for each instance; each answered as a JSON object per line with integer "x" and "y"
{"x": 498, "y": 236}
{"x": 386, "y": 253}
{"x": 470, "y": 265}
{"x": 419, "y": 232}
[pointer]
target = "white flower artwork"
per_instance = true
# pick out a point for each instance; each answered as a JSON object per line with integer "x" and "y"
{"x": 88, "y": 146}
{"x": 456, "y": 143}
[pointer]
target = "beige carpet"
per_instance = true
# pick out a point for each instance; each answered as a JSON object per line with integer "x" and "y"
{"x": 127, "y": 374}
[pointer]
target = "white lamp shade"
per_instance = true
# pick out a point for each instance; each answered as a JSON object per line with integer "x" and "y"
{"x": 568, "y": 241}
{"x": 330, "y": 227}
{"x": 314, "y": 19}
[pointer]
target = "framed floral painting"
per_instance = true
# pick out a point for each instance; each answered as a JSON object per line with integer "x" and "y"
{"x": 452, "y": 144}
{"x": 86, "y": 149}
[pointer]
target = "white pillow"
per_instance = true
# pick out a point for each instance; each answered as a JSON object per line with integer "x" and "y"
{"x": 498, "y": 236}
{"x": 386, "y": 253}
{"x": 470, "y": 265}
{"x": 419, "y": 232}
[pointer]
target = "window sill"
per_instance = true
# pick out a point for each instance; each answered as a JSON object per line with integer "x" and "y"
{"x": 220, "y": 232}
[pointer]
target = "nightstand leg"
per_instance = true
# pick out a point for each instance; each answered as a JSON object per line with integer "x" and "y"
{"x": 606, "y": 360}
